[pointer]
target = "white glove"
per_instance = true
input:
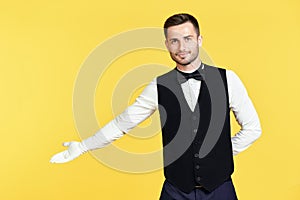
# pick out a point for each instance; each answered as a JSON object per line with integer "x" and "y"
{"x": 75, "y": 150}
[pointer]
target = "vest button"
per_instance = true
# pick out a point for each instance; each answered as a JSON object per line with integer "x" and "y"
{"x": 195, "y": 130}
{"x": 196, "y": 155}
{"x": 197, "y": 166}
{"x": 198, "y": 178}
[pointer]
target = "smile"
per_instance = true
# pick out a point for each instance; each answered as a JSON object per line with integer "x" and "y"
{"x": 182, "y": 54}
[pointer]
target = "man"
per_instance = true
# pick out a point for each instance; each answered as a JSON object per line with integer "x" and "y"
{"x": 195, "y": 101}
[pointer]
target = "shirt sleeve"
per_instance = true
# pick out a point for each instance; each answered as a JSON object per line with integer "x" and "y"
{"x": 143, "y": 107}
{"x": 244, "y": 112}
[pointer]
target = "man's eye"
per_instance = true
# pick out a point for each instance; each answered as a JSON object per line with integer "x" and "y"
{"x": 188, "y": 39}
{"x": 173, "y": 41}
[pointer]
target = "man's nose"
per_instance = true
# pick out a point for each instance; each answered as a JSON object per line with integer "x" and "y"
{"x": 182, "y": 46}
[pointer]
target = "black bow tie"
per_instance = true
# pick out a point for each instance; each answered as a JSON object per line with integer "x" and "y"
{"x": 183, "y": 77}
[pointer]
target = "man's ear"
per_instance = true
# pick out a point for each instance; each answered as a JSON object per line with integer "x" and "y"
{"x": 200, "y": 40}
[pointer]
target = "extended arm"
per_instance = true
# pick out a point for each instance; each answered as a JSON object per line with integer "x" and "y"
{"x": 143, "y": 107}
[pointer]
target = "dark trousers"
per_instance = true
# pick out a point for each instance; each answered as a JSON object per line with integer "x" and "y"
{"x": 226, "y": 191}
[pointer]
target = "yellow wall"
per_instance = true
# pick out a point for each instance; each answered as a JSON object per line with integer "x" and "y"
{"x": 43, "y": 44}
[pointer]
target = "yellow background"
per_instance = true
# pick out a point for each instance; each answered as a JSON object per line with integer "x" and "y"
{"x": 43, "y": 44}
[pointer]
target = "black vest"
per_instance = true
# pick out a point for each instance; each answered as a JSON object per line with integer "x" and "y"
{"x": 185, "y": 132}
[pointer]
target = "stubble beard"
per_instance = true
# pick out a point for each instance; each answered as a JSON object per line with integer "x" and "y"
{"x": 177, "y": 61}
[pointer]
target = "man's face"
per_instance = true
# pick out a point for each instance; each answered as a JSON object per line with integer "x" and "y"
{"x": 183, "y": 43}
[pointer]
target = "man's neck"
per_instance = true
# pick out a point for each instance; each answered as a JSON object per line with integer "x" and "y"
{"x": 190, "y": 67}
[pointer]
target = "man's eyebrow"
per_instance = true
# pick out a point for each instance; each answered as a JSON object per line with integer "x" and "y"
{"x": 173, "y": 38}
{"x": 188, "y": 36}
{"x": 176, "y": 38}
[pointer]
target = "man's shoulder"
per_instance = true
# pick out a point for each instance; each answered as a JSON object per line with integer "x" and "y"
{"x": 214, "y": 67}
{"x": 229, "y": 72}
{"x": 167, "y": 74}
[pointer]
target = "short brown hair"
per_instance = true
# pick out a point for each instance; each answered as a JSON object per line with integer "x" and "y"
{"x": 181, "y": 18}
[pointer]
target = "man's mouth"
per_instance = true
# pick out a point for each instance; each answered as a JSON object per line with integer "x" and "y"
{"x": 182, "y": 54}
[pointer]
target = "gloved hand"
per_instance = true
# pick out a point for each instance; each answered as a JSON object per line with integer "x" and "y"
{"x": 75, "y": 149}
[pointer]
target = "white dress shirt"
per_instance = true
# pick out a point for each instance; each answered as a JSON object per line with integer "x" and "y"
{"x": 147, "y": 103}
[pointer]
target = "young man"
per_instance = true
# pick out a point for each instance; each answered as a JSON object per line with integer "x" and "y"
{"x": 195, "y": 101}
